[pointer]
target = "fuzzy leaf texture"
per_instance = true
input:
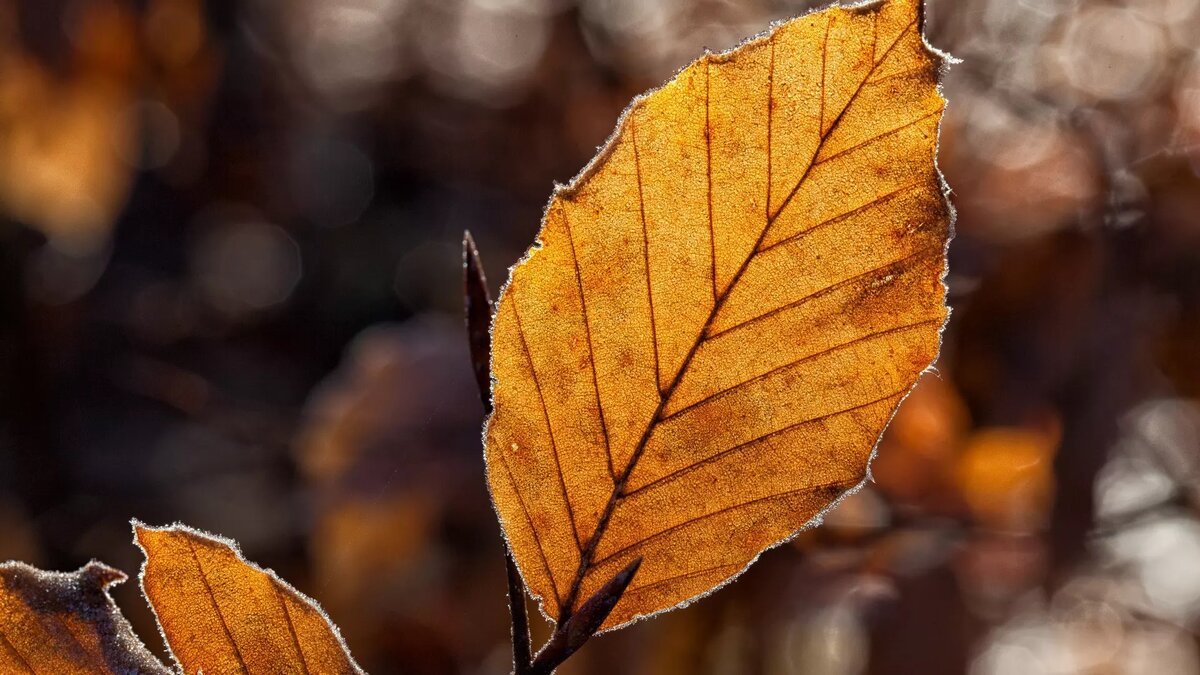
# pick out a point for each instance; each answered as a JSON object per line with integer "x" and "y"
{"x": 219, "y": 614}
{"x": 66, "y": 623}
{"x": 225, "y": 616}
{"x": 722, "y": 313}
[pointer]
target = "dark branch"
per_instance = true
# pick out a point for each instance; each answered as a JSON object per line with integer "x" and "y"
{"x": 478, "y": 305}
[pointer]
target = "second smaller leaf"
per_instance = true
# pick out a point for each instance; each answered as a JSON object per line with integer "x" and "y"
{"x": 222, "y": 614}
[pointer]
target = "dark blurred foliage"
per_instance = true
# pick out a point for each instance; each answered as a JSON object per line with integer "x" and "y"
{"x": 230, "y": 296}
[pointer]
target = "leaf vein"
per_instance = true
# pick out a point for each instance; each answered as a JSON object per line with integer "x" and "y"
{"x": 832, "y": 220}
{"x": 537, "y": 383}
{"x": 529, "y": 521}
{"x": 712, "y": 236}
{"x": 93, "y": 654}
{"x": 822, "y": 292}
{"x": 792, "y": 364}
{"x": 212, "y": 599}
{"x": 897, "y": 75}
{"x": 713, "y": 514}
{"x": 837, "y": 120}
{"x": 587, "y": 327}
{"x": 678, "y": 577}
{"x": 13, "y": 650}
{"x": 770, "y": 117}
{"x": 824, "y": 69}
{"x": 869, "y": 141}
{"x": 287, "y": 615}
{"x": 637, "y": 160}
{"x": 682, "y": 471}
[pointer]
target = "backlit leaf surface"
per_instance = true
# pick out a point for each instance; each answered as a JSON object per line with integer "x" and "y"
{"x": 725, "y": 309}
{"x": 66, "y": 624}
{"x": 223, "y": 616}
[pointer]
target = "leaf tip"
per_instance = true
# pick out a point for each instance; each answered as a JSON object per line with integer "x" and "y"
{"x": 98, "y": 575}
{"x": 143, "y": 534}
{"x": 469, "y": 249}
{"x": 632, "y": 568}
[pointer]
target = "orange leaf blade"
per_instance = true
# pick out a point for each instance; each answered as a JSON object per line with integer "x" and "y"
{"x": 66, "y": 623}
{"x": 725, "y": 309}
{"x": 222, "y": 614}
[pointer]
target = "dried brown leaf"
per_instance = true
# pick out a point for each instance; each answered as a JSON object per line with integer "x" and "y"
{"x": 66, "y": 623}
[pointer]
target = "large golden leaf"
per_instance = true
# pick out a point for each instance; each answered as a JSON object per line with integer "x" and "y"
{"x": 224, "y": 616}
{"x": 725, "y": 309}
{"x": 66, "y": 624}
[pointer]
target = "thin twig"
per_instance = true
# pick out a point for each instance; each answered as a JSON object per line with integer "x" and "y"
{"x": 477, "y": 302}
{"x": 478, "y": 305}
{"x": 520, "y": 620}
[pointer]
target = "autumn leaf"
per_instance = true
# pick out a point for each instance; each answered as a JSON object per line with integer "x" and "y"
{"x": 722, "y": 312}
{"x": 221, "y": 614}
{"x": 66, "y": 623}
{"x": 218, "y": 613}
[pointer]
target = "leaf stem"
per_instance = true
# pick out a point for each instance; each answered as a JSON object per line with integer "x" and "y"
{"x": 583, "y": 624}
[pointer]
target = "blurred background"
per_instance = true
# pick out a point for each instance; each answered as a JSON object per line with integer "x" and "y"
{"x": 230, "y": 294}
